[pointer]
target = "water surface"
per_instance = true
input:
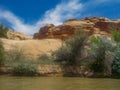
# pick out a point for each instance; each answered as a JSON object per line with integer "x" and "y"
{"x": 57, "y": 83}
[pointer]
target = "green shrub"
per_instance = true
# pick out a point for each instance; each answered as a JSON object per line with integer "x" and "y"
{"x": 15, "y": 55}
{"x": 67, "y": 54}
{"x": 45, "y": 59}
{"x": 20, "y": 64}
{"x": 3, "y": 31}
{"x": 116, "y": 35}
{"x": 25, "y": 68}
{"x": 116, "y": 55}
{"x": 101, "y": 48}
{"x": 1, "y": 54}
{"x": 116, "y": 62}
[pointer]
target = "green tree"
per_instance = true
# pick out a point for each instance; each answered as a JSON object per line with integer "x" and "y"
{"x": 116, "y": 62}
{"x": 101, "y": 48}
{"x": 1, "y": 54}
{"x": 68, "y": 53}
{"x": 116, "y": 35}
{"x": 116, "y": 55}
{"x": 3, "y": 31}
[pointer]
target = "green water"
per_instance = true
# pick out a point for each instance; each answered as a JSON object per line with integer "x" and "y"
{"x": 57, "y": 83}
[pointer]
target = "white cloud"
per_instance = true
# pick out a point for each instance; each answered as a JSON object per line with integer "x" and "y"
{"x": 56, "y": 16}
{"x": 65, "y": 10}
{"x": 62, "y": 11}
{"x": 16, "y": 23}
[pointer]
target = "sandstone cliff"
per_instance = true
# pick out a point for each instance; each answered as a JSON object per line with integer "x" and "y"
{"x": 17, "y": 35}
{"x": 31, "y": 48}
{"x": 51, "y": 35}
{"x": 67, "y": 29}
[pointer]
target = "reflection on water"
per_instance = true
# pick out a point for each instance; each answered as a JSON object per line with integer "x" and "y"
{"x": 57, "y": 83}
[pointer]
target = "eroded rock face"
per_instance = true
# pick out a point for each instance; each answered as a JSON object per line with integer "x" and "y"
{"x": 44, "y": 32}
{"x": 89, "y": 25}
{"x": 50, "y": 31}
{"x": 17, "y": 35}
{"x": 108, "y": 25}
{"x": 31, "y": 49}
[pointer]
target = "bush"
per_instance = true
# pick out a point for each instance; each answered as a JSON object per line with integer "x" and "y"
{"x": 116, "y": 35}
{"x": 3, "y": 31}
{"x": 25, "y": 68}
{"x": 67, "y": 54}
{"x": 1, "y": 54}
{"x": 15, "y": 55}
{"x": 101, "y": 49}
{"x": 116, "y": 62}
{"x": 20, "y": 64}
{"x": 45, "y": 59}
{"x": 116, "y": 55}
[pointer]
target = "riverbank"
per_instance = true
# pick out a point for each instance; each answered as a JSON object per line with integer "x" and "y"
{"x": 59, "y": 71}
{"x": 80, "y": 56}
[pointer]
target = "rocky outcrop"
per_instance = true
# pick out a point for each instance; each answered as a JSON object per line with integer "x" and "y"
{"x": 108, "y": 25}
{"x": 44, "y": 31}
{"x": 60, "y": 71}
{"x": 56, "y": 70}
{"x": 17, "y": 35}
{"x": 67, "y": 29}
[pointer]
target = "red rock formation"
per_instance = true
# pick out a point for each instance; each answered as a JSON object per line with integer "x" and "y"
{"x": 67, "y": 29}
{"x": 108, "y": 25}
{"x": 43, "y": 32}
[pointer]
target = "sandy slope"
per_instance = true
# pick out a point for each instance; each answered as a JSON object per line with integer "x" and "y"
{"x": 32, "y": 48}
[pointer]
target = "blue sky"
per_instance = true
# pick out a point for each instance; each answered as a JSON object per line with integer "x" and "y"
{"x": 27, "y": 16}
